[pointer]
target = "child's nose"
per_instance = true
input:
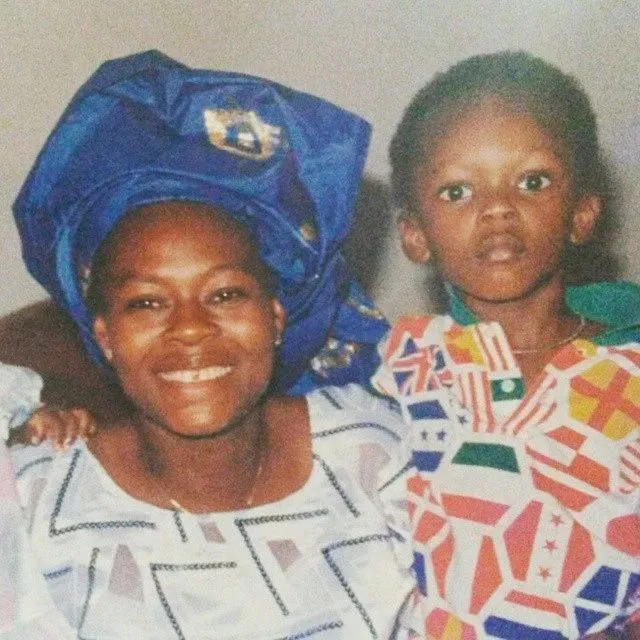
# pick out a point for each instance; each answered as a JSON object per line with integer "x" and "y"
{"x": 191, "y": 323}
{"x": 497, "y": 205}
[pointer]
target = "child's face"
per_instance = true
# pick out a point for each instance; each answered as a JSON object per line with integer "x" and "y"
{"x": 494, "y": 206}
{"x": 188, "y": 328}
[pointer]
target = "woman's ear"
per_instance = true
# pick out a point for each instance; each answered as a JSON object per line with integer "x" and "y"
{"x": 414, "y": 240}
{"x": 102, "y": 337}
{"x": 585, "y": 216}
{"x": 280, "y": 320}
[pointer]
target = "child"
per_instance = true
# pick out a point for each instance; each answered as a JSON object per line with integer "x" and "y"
{"x": 525, "y": 401}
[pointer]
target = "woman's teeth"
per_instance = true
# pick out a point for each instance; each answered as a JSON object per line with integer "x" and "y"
{"x": 188, "y": 376}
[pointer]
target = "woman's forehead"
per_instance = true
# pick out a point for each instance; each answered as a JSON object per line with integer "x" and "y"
{"x": 171, "y": 231}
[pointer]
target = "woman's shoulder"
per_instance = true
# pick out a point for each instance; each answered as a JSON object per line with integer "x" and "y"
{"x": 352, "y": 408}
{"x": 33, "y": 468}
{"x": 29, "y": 460}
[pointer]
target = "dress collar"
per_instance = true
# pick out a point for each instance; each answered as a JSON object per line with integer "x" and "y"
{"x": 613, "y": 304}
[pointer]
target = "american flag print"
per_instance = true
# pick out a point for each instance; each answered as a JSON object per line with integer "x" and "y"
{"x": 524, "y": 504}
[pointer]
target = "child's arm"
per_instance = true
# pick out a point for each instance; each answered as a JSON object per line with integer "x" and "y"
{"x": 60, "y": 426}
{"x": 22, "y": 419}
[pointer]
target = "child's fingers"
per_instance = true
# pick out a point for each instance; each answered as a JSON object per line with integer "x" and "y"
{"x": 85, "y": 423}
{"x": 36, "y": 426}
{"x": 61, "y": 427}
{"x": 46, "y": 423}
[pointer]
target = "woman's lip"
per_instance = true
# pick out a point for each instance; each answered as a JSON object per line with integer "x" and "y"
{"x": 192, "y": 376}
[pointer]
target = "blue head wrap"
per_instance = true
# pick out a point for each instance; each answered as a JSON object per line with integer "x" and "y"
{"x": 145, "y": 129}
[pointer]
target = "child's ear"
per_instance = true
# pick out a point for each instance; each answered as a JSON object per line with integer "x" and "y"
{"x": 102, "y": 337}
{"x": 585, "y": 216}
{"x": 414, "y": 240}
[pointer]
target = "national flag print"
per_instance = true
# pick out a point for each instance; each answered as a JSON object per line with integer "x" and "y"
{"x": 630, "y": 467}
{"x": 507, "y": 389}
{"x": 535, "y": 409}
{"x": 607, "y": 398}
{"x": 475, "y": 395}
{"x": 463, "y": 346}
{"x": 408, "y": 327}
{"x": 443, "y": 625}
{"x": 420, "y": 368}
{"x": 495, "y": 348}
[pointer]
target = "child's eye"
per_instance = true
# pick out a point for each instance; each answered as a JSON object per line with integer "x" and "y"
{"x": 454, "y": 192}
{"x": 144, "y": 304}
{"x": 534, "y": 182}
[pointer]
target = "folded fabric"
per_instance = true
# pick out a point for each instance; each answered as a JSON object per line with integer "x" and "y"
{"x": 19, "y": 396}
{"x": 146, "y": 129}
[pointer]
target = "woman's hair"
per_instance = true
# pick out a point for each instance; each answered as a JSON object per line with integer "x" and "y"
{"x": 554, "y": 99}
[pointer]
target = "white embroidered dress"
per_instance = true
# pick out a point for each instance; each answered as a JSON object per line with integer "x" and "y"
{"x": 322, "y": 564}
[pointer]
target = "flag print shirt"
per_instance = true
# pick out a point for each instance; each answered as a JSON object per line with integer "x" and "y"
{"x": 524, "y": 507}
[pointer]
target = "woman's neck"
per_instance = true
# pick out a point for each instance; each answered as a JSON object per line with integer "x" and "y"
{"x": 219, "y": 463}
{"x": 264, "y": 459}
{"x": 155, "y": 465}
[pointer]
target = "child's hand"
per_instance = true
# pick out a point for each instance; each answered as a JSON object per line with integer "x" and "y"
{"x": 60, "y": 426}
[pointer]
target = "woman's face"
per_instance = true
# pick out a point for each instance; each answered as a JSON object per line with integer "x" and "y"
{"x": 188, "y": 326}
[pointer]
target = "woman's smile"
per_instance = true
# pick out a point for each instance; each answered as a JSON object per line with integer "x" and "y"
{"x": 191, "y": 376}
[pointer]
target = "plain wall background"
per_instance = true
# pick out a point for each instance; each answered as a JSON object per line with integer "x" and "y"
{"x": 369, "y": 56}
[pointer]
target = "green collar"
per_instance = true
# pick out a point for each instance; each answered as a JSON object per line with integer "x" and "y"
{"x": 613, "y": 304}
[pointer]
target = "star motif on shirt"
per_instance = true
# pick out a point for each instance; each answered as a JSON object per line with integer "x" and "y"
{"x": 557, "y": 520}
{"x": 544, "y": 573}
{"x": 424, "y": 434}
{"x": 550, "y": 545}
{"x": 462, "y": 420}
{"x": 442, "y": 434}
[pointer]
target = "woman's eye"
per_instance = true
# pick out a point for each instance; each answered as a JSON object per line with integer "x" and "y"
{"x": 455, "y": 192}
{"x": 534, "y": 182}
{"x": 142, "y": 304}
{"x": 227, "y": 295}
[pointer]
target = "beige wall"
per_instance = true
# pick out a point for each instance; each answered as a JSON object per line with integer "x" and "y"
{"x": 369, "y": 56}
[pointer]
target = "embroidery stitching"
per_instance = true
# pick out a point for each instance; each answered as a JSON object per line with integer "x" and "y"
{"x": 242, "y": 523}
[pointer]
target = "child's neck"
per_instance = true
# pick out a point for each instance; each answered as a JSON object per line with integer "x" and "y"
{"x": 535, "y": 325}
{"x": 536, "y": 320}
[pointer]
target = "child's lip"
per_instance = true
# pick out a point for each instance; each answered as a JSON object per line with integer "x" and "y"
{"x": 500, "y": 248}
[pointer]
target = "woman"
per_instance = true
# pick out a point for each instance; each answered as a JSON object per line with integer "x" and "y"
{"x": 189, "y": 222}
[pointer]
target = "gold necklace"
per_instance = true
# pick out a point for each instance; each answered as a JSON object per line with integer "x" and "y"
{"x": 574, "y": 334}
{"x": 251, "y": 493}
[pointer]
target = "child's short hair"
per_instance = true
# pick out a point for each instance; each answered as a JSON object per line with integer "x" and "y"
{"x": 554, "y": 99}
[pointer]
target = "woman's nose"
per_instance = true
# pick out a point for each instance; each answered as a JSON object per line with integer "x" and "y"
{"x": 191, "y": 322}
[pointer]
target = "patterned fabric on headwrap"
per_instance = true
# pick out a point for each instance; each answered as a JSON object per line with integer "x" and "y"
{"x": 146, "y": 129}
